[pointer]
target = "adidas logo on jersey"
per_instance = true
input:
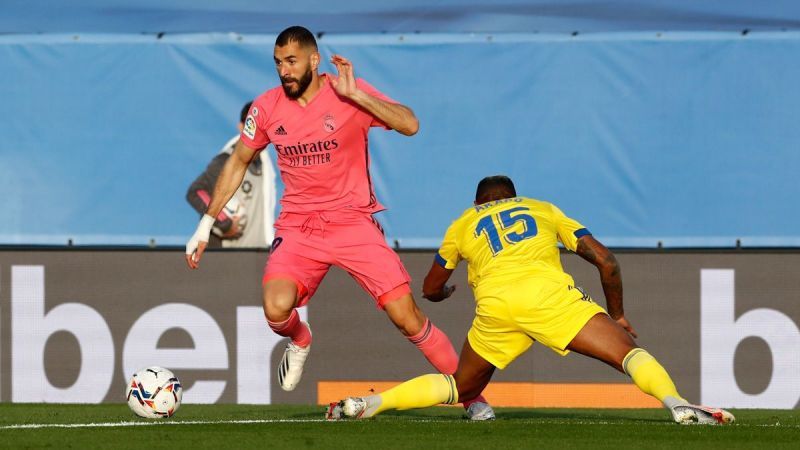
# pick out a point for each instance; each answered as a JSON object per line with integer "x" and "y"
{"x": 280, "y": 131}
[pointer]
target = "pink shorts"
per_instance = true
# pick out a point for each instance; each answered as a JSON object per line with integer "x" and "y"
{"x": 306, "y": 245}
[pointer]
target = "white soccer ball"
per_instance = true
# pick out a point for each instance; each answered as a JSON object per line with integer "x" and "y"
{"x": 154, "y": 393}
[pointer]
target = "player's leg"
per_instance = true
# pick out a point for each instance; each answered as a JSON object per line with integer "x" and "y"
{"x": 604, "y": 339}
{"x": 494, "y": 340}
{"x": 470, "y": 379}
{"x": 566, "y": 319}
{"x": 363, "y": 253}
{"x": 280, "y": 299}
{"x": 433, "y": 343}
{"x": 420, "y": 331}
{"x": 290, "y": 279}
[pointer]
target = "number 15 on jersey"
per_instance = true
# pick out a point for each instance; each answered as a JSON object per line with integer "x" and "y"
{"x": 507, "y": 219}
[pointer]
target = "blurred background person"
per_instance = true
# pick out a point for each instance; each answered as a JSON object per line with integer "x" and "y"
{"x": 247, "y": 219}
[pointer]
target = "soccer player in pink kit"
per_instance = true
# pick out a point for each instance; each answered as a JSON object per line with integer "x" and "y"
{"x": 318, "y": 124}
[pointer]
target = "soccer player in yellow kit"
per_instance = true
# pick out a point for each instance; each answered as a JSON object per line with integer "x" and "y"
{"x": 523, "y": 295}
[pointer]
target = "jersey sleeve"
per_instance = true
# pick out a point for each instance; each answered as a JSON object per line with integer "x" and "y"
{"x": 569, "y": 230}
{"x": 448, "y": 255}
{"x": 254, "y": 130}
{"x": 369, "y": 89}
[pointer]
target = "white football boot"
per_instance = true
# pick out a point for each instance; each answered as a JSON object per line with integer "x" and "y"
{"x": 703, "y": 415}
{"x": 335, "y": 411}
{"x": 480, "y": 411}
{"x": 349, "y": 408}
{"x": 290, "y": 370}
{"x": 354, "y": 407}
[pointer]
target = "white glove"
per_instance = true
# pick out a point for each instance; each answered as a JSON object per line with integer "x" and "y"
{"x": 200, "y": 235}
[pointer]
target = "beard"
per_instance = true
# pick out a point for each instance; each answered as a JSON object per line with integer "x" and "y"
{"x": 302, "y": 85}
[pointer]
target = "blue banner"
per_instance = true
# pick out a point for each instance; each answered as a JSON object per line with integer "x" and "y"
{"x": 395, "y": 16}
{"x": 688, "y": 139}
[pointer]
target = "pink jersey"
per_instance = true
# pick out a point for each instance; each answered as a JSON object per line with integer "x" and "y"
{"x": 322, "y": 148}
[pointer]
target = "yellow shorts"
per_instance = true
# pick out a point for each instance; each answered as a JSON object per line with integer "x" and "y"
{"x": 509, "y": 318}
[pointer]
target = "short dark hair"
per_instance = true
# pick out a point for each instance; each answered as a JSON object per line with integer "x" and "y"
{"x": 298, "y": 34}
{"x": 245, "y": 110}
{"x": 495, "y": 187}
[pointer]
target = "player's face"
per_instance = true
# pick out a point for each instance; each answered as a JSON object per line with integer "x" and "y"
{"x": 296, "y": 66}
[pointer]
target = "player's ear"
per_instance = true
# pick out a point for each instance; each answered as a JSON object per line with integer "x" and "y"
{"x": 314, "y": 60}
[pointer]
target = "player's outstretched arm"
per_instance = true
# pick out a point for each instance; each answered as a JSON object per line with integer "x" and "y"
{"x": 601, "y": 257}
{"x": 228, "y": 182}
{"x": 396, "y": 116}
{"x": 435, "y": 287}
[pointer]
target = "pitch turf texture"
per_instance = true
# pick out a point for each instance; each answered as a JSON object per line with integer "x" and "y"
{"x": 282, "y": 426}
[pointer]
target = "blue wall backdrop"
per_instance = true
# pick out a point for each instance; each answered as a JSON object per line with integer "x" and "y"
{"x": 689, "y": 138}
{"x": 369, "y": 16}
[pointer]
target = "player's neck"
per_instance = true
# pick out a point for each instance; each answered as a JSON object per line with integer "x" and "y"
{"x": 317, "y": 82}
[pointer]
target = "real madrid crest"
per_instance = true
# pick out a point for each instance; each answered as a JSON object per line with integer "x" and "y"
{"x": 328, "y": 123}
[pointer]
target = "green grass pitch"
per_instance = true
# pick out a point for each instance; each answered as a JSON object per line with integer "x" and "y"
{"x": 291, "y": 427}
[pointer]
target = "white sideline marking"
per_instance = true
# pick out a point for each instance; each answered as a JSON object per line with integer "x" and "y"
{"x": 419, "y": 420}
{"x": 152, "y": 423}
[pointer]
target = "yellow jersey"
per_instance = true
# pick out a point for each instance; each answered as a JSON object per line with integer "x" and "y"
{"x": 510, "y": 238}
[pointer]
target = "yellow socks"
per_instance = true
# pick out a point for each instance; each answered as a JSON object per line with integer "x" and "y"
{"x": 651, "y": 377}
{"x": 433, "y": 389}
{"x": 420, "y": 392}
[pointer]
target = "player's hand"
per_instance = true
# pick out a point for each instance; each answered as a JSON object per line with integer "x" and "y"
{"x": 193, "y": 259}
{"x": 623, "y": 322}
{"x": 345, "y": 84}
{"x": 444, "y": 293}
{"x": 198, "y": 242}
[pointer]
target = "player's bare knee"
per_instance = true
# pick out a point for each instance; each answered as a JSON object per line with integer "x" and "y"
{"x": 278, "y": 303}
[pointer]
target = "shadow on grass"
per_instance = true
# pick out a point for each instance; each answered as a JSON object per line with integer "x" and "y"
{"x": 445, "y": 414}
{"x": 583, "y": 415}
{"x": 457, "y": 414}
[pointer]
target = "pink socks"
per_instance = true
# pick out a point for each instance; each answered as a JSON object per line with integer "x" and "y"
{"x": 293, "y": 328}
{"x": 439, "y": 351}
